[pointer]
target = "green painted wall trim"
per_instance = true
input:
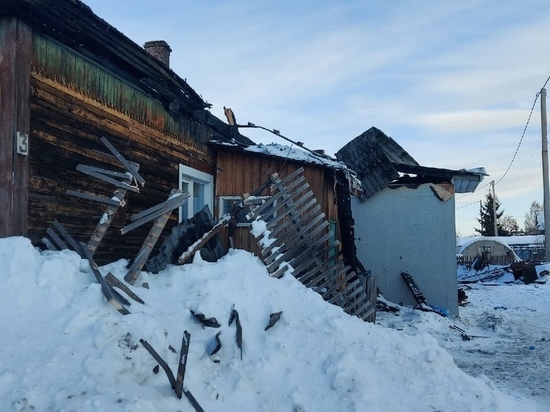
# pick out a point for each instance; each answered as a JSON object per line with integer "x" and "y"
{"x": 70, "y": 69}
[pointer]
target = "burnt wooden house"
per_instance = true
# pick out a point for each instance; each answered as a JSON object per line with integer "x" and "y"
{"x": 405, "y": 218}
{"x": 67, "y": 79}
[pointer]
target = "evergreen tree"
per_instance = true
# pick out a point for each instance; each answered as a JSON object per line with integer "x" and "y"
{"x": 487, "y": 217}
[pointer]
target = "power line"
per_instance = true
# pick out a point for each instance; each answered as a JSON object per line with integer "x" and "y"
{"x": 524, "y": 131}
{"x": 469, "y": 204}
{"x": 519, "y": 144}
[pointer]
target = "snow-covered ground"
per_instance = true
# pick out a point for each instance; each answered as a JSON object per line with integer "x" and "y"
{"x": 64, "y": 348}
{"x": 503, "y": 333}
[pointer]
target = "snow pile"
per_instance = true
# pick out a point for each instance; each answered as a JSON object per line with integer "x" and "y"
{"x": 63, "y": 347}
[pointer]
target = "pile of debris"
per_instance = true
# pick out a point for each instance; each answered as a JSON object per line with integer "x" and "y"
{"x": 522, "y": 272}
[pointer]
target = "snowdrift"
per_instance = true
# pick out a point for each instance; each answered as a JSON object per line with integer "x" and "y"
{"x": 63, "y": 347}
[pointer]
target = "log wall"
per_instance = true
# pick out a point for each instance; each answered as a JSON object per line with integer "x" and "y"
{"x": 74, "y": 102}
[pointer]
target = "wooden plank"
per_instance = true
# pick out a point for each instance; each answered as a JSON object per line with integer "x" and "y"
{"x": 295, "y": 205}
{"x": 333, "y": 263}
{"x": 311, "y": 276}
{"x": 314, "y": 276}
{"x": 133, "y": 272}
{"x": 113, "y": 298}
{"x": 104, "y": 177}
{"x": 22, "y": 124}
{"x": 298, "y": 234}
{"x": 182, "y": 363}
{"x": 283, "y": 181}
{"x": 193, "y": 401}
{"x": 415, "y": 290}
{"x": 303, "y": 235}
{"x": 116, "y": 283}
{"x": 306, "y": 252}
{"x": 366, "y": 312}
{"x": 146, "y": 249}
{"x": 56, "y": 239}
{"x": 174, "y": 201}
{"x": 371, "y": 288}
{"x": 277, "y": 258}
{"x": 306, "y": 245}
{"x": 320, "y": 255}
{"x": 354, "y": 293}
{"x": 165, "y": 208}
{"x": 316, "y": 211}
{"x": 362, "y": 308}
{"x": 70, "y": 240}
{"x": 307, "y": 259}
{"x": 161, "y": 362}
{"x": 281, "y": 204}
{"x": 93, "y": 198}
{"x": 332, "y": 282}
{"x": 349, "y": 286}
{"x": 202, "y": 241}
{"x": 127, "y": 165}
{"x": 325, "y": 284}
{"x": 360, "y": 304}
{"x": 104, "y": 223}
{"x": 49, "y": 245}
{"x": 275, "y": 199}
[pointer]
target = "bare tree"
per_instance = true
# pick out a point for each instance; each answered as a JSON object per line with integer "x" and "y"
{"x": 531, "y": 218}
{"x": 508, "y": 226}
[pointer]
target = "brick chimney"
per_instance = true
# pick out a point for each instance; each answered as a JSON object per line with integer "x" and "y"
{"x": 159, "y": 49}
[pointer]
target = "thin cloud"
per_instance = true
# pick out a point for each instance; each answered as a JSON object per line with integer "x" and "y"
{"x": 452, "y": 82}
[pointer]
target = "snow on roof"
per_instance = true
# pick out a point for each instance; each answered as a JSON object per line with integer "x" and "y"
{"x": 510, "y": 241}
{"x": 473, "y": 240}
{"x": 295, "y": 153}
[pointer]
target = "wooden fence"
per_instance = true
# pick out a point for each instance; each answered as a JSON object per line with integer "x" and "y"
{"x": 299, "y": 238}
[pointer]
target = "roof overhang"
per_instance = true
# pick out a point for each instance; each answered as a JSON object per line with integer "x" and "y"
{"x": 465, "y": 181}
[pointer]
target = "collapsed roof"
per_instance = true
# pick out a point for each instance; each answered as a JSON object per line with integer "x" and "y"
{"x": 379, "y": 160}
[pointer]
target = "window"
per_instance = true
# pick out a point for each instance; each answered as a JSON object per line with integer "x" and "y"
{"x": 200, "y": 187}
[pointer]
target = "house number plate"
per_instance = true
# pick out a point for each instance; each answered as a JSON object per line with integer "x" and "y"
{"x": 22, "y": 143}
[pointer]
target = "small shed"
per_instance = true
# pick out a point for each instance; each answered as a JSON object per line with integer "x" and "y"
{"x": 405, "y": 218}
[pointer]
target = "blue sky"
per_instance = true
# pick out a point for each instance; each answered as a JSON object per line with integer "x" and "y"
{"x": 452, "y": 82}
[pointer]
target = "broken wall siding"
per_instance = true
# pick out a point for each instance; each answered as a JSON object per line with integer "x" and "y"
{"x": 73, "y": 103}
{"x": 240, "y": 173}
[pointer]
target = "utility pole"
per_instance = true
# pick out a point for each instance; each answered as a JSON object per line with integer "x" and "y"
{"x": 494, "y": 208}
{"x": 545, "y": 185}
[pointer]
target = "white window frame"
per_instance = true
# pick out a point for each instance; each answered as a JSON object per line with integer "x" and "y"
{"x": 190, "y": 175}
